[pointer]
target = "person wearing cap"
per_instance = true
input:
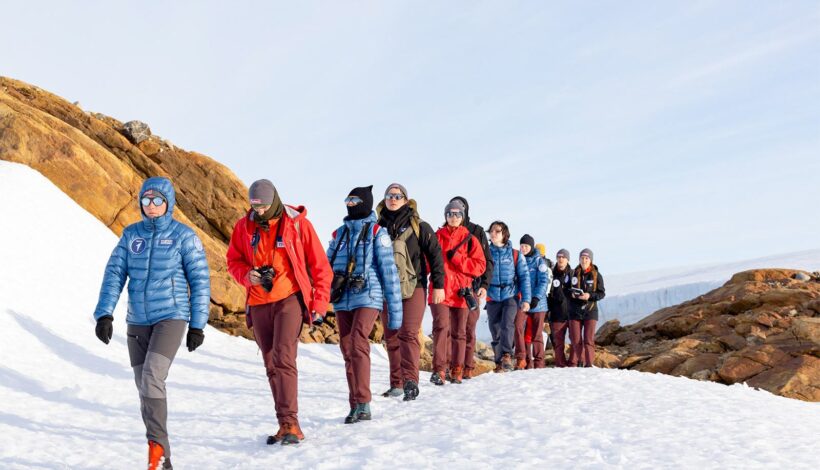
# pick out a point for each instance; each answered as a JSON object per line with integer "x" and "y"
{"x": 559, "y": 305}
{"x": 529, "y": 326}
{"x": 463, "y": 262}
{"x": 584, "y": 310}
{"x": 169, "y": 289}
{"x": 480, "y": 285}
{"x": 361, "y": 255}
{"x": 509, "y": 283}
{"x": 276, "y": 255}
{"x": 417, "y": 254}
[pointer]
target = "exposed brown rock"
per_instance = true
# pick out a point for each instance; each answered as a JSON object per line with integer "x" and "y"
{"x": 759, "y": 328}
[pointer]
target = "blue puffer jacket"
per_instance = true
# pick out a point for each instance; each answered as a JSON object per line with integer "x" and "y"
{"x": 374, "y": 261}
{"x": 162, "y": 259}
{"x": 540, "y": 279}
{"x": 505, "y": 271}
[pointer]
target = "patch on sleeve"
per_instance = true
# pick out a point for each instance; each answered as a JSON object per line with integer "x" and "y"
{"x": 543, "y": 267}
{"x": 198, "y": 244}
{"x": 385, "y": 241}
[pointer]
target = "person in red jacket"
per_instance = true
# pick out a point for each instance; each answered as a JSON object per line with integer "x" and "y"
{"x": 463, "y": 261}
{"x": 276, "y": 254}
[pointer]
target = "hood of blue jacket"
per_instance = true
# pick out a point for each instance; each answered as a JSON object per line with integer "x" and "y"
{"x": 166, "y": 188}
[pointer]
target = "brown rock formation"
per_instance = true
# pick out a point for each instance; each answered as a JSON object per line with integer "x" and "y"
{"x": 761, "y": 328}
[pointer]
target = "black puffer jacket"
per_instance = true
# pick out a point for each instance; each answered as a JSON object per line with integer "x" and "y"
{"x": 559, "y": 299}
{"x": 591, "y": 282}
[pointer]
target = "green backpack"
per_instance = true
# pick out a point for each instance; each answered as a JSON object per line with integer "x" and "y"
{"x": 408, "y": 276}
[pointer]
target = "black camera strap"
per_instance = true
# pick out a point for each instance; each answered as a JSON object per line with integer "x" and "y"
{"x": 351, "y": 251}
{"x": 345, "y": 235}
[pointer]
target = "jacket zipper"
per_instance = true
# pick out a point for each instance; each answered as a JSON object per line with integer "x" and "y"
{"x": 148, "y": 273}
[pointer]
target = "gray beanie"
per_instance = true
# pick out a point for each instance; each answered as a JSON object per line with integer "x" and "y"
{"x": 563, "y": 252}
{"x": 396, "y": 186}
{"x": 261, "y": 192}
{"x": 587, "y": 252}
{"x": 455, "y": 204}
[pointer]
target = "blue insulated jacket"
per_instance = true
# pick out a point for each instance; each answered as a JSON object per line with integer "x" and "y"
{"x": 540, "y": 279}
{"x": 375, "y": 262}
{"x": 162, "y": 259}
{"x": 505, "y": 272}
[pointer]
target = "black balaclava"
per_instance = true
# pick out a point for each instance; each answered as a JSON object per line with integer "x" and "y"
{"x": 362, "y": 210}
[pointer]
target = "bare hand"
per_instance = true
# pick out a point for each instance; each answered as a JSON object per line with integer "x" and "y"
{"x": 585, "y": 296}
{"x": 438, "y": 296}
{"x": 254, "y": 277}
{"x": 525, "y": 307}
{"x": 481, "y": 294}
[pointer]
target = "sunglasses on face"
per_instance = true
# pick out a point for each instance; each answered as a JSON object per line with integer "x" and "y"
{"x": 394, "y": 197}
{"x": 156, "y": 200}
{"x": 454, "y": 214}
{"x": 355, "y": 200}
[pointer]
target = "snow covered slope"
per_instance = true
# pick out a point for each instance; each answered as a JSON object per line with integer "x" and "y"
{"x": 69, "y": 401}
{"x": 632, "y": 296}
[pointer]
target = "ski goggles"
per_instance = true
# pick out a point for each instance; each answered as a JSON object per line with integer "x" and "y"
{"x": 355, "y": 200}
{"x": 394, "y": 197}
{"x": 156, "y": 200}
{"x": 454, "y": 214}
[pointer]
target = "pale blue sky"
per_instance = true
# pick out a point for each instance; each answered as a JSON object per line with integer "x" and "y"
{"x": 656, "y": 133}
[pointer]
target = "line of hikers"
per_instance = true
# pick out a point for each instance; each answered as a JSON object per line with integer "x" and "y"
{"x": 385, "y": 263}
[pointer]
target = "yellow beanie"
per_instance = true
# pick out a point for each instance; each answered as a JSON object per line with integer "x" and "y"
{"x": 541, "y": 249}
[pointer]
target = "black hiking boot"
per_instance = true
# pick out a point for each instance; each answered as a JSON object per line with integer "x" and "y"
{"x": 411, "y": 390}
{"x": 363, "y": 412}
{"x": 437, "y": 378}
{"x": 351, "y": 417}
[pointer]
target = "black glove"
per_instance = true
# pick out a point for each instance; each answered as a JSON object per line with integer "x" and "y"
{"x": 450, "y": 253}
{"x": 105, "y": 328}
{"x": 533, "y": 302}
{"x": 195, "y": 338}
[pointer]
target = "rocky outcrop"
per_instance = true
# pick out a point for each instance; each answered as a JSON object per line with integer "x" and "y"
{"x": 761, "y": 328}
{"x": 101, "y": 163}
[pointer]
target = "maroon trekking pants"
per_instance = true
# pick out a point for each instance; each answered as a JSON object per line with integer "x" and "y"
{"x": 403, "y": 346}
{"x": 276, "y": 327}
{"x": 354, "y": 329}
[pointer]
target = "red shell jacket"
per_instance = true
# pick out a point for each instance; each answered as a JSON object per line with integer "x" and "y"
{"x": 466, "y": 263}
{"x": 305, "y": 252}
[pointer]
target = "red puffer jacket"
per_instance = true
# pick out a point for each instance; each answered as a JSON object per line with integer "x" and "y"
{"x": 310, "y": 265}
{"x": 466, "y": 263}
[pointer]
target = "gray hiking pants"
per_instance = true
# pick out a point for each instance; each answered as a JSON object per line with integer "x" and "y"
{"x": 152, "y": 349}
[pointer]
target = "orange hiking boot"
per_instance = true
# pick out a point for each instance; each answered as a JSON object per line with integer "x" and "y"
{"x": 468, "y": 374}
{"x": 278, "y": 436}
{"x": 455, "y": 374}
{"x": 520, "y": 364}
{"x": 506, "y": 363}
{"x": 292, "y": 434}
{"x": 155, "y": 455}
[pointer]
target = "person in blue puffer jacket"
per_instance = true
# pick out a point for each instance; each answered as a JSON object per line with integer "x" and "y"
{"x": 509, "y": 283}
{"x": 530, "y": 325}
{"x": 169, "y": 289}
{"x": 365, "y": 274}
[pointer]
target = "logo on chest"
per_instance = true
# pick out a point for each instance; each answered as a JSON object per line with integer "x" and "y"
{"x": 137, "y": 246}
{"x": 165, "y": 242}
